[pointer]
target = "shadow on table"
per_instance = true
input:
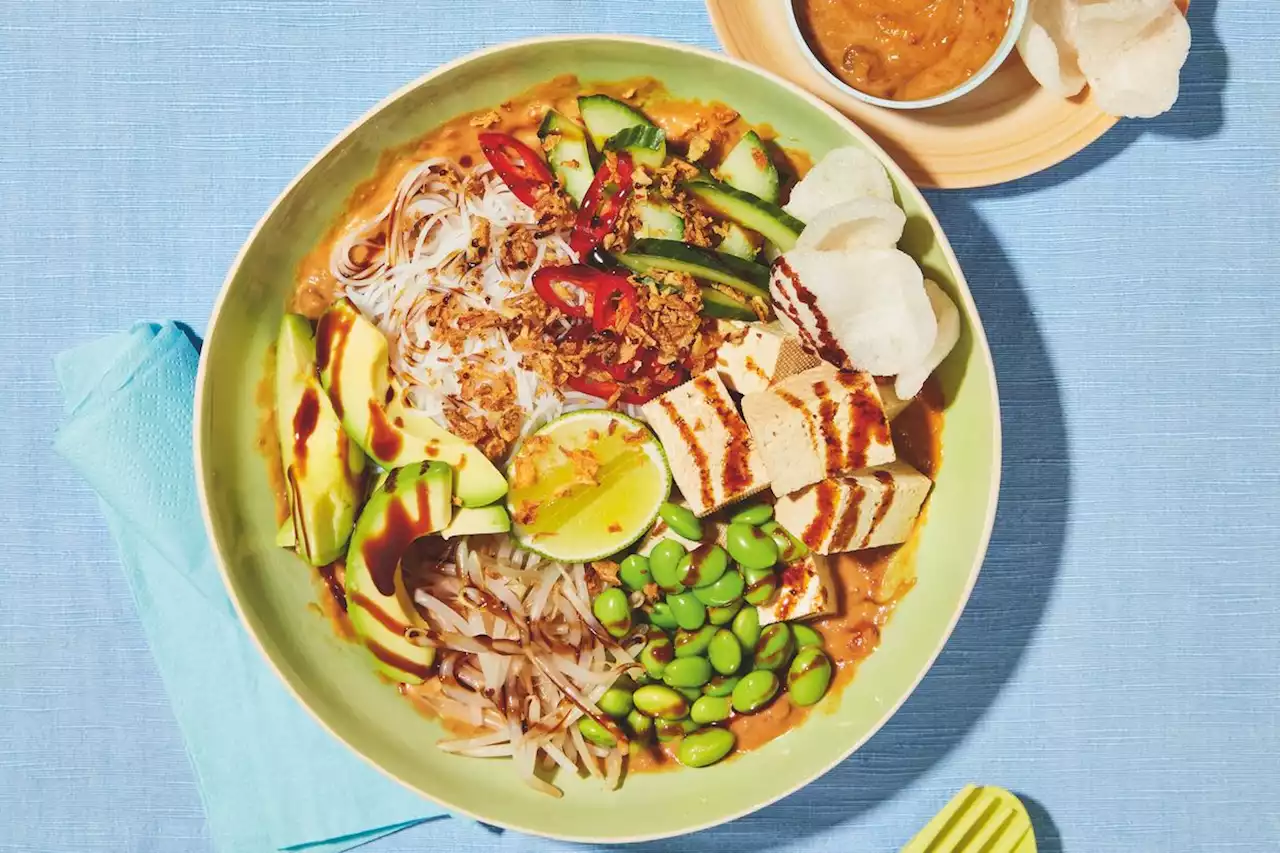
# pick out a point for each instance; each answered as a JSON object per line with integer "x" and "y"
{"x": 1011, "y": 594}
{"x": 1198, "y": 114}
{"x": 1048, "y": 839}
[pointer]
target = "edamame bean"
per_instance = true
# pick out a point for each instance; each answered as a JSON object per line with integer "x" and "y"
{"x": 616, "y": 702}
{"x": 669, "y": 730}
{"x": 660, "y": 616}
{"x": 754, "y": 691}
{"x": 746, "y": 627}
{"x": 641, "y": 726}
{"x": 663, "y": 560}
{"x": 805, "y": 636}
{"x": 704, "y": 748}
{"x": 658, "y": 700}
{"x": 690, "y": 613}
{"x": 728, "y": 589}
{"x": 725, "y": 652}
{"x": 703, "y": 565}
{"x": 721, "y": 685}
{"x": 687, "y": 672}
{"x": 596, "y": 733}
{"x": 634, "y": 572}
{"x": 681, "y": 520}
{"x": 692, "y": 644}
{"x": 755, "y": 515}
{"x": 655, "y": 656}
{"x": 762, "y": 586}
{"x": 790, "y": 548}
{"x": 710, "y": 709}
{"x": 723, "y": 615}
{"x": 775, "y": 647}
{"x": 809, "y": 677}
{"x": 614, "y": 611}
{"x": 751, "y": 546}
{"x": 693, "y": 694}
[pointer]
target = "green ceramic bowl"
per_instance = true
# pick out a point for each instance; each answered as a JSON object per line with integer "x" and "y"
{"x": 334, "y": 680}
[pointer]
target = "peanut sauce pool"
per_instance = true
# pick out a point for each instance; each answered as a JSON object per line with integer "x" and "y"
{"x": 904, "y": 50}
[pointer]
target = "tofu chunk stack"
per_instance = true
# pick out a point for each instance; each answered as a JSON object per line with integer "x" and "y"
{"x": 753, "y": 356}
{"x": 713, "y": 457}
{"x": 869, "y": 509}
{"x": 818, "y": 424}
{"x": 805, "y": 591}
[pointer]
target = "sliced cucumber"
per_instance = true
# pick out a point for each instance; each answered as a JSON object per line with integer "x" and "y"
{"x": 716, "y": 303}
{"x": 646, "y": 145}
{"x": 606, "y": 117}
{"x": 658, "y": 220}
{"x": 749, "y": 168}
{"x": 569, "y": 158}
{"x": 740, "y": 243}
{"x": 751, "y": 280}
{"x": 750, "y": 211}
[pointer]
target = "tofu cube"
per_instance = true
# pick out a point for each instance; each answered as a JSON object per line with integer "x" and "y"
{"x": 869, "y": 509}
{"x": 819, "y": 424}
{"x": 713, "y": 457}
{"x": 805, "y": 591}
{"x": 754, "y": 356}
{"x": 893, "y": 404}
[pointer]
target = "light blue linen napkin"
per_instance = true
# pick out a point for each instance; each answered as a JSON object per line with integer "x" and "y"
{"x": 269, "y": 776}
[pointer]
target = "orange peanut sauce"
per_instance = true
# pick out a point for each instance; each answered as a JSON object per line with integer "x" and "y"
{"x": 905, "y": 50}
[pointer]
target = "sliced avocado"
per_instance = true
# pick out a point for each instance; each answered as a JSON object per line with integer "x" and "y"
{"x": 407, "y": 504}
{"x": 286, "y": 536}
{"x": 476, "y": 481}
{"x": 324, "y": 469}
{"x": 477, "y": 521}
{"x": 352, "y": 354}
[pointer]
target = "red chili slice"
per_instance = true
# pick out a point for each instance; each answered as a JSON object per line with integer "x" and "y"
{"x": 594, "y": 388}
{"x": 519, "y": 166}
{"x": 605, "y": 314}
{"x": 602, "y": 204}
{"x": 577, "y": 275}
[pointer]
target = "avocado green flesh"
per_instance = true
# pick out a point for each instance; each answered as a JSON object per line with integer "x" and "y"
{"x": 324, "y": 469}
{"x": 352, "y": 355}
{"x": 410, "y": 503}
{"x": 476, "y": 481}
{"x": 477, "y": 521}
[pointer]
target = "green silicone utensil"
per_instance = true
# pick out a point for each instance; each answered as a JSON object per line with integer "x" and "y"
{"x": 978, "y": 820}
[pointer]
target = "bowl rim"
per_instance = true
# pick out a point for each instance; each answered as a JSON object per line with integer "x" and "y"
{"x": 977, "y": 333}
{"x": 1021, "y": 9}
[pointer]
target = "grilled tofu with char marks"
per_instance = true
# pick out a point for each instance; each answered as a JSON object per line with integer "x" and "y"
{"x": 867, "y": 510}
{"x": 753, "y": 356}
{"x": 819, "y": 424}
{"x": 805, "y": 591}
{"x": 713, "y": 457}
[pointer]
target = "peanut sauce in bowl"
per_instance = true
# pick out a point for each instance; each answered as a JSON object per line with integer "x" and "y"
{"x": 907, "y": 54}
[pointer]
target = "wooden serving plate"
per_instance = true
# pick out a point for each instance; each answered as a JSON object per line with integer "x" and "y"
{"x": 1005, "y": 129}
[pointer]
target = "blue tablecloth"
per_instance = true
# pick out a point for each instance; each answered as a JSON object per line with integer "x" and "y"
{"x": 1119, "y": 664}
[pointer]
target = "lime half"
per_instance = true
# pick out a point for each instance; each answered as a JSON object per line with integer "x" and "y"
{"x": 586, "y": 485}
